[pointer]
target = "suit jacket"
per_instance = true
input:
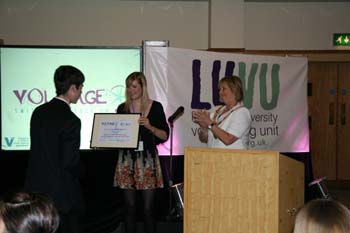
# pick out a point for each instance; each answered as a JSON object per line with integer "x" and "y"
{"x": 53, "y": 166}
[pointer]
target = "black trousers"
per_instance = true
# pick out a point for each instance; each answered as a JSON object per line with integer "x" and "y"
{"x": 72, "y": 222}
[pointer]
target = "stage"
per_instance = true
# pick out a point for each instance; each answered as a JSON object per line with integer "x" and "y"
{"x": 104, "y": 202}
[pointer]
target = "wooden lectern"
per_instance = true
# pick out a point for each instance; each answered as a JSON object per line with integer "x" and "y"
{"x": 241, "y": 191}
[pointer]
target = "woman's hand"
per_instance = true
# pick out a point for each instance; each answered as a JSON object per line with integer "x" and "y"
{"x": 157, "y": 132}
{"x": 202, "y": 118}
{"x": 145, "y": 122}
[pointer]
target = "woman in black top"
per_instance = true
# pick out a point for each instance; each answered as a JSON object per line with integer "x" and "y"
{"x": 140, "y": 169}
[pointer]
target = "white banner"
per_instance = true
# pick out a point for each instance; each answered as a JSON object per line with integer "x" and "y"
{"x": 275, "y": 92}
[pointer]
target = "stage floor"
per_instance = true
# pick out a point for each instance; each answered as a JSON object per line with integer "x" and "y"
{"x": 162, "y": 227}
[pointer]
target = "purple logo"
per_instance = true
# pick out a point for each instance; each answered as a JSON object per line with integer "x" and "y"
{"x": 37, "y": 96}
{"x": 34, "y": 96}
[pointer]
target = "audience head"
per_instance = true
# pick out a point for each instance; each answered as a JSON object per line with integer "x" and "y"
{"x": 235, "y": 85}
{"x": 66, "y": 76}
{"x": 28, "y": 213}
{"x": 323, "y": 216}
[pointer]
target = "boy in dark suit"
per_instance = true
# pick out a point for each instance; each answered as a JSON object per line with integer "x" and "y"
{"x": 53, "y": 166}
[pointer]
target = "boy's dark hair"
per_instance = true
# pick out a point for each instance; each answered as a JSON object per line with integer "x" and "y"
{"x": 65, "y": 76}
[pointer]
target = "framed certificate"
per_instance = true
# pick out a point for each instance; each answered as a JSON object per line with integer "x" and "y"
{"x": 113, "y": 130}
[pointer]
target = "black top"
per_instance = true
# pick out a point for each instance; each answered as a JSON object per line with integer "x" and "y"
{"x": 156, "y": 117}
{"x": 54, "y": 162}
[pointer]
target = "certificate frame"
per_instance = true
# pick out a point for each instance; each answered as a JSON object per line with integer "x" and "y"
{"x": 114, "y": 130}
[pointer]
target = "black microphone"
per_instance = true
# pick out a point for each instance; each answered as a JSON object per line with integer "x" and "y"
{"x": 176, "y": 114}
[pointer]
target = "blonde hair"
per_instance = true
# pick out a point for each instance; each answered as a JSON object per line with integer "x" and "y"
{"x": 141, "y": 79}
{"x": 323, "y": 216}
{"x": 235, "y": 85}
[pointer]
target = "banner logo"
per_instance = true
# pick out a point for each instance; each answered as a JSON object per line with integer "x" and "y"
{"x": 9, "y": 141}
{"x": 248, "y": 83}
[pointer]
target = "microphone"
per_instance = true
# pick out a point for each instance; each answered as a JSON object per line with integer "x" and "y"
{"x": 176, "y": 114}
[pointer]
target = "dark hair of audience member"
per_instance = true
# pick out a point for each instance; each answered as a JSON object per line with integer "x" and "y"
{"x": 29, "y": 213}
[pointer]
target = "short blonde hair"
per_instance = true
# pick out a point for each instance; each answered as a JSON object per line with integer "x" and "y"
{"x": 323, "y": 216}
{"x": 235, "y": 85}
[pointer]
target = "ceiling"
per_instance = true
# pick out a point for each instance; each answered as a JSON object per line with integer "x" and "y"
{"x": 244, "y": 0}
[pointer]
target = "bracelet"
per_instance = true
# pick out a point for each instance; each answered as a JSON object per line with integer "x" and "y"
{"x": 211, "y": 125}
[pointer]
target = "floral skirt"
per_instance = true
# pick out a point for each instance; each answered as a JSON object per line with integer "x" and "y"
{"x": 138, "y": 170}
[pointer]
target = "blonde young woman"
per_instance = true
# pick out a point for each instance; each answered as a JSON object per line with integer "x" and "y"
{"x": 140, "y": 169}
{"x": 228, "y": 126}
{"x": 323, "y": 216}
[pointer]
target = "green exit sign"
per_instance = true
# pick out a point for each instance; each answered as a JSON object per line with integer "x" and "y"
{"x": 341, "y": 39}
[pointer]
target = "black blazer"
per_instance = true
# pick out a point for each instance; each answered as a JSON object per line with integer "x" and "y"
{"x": 53, "y": 166}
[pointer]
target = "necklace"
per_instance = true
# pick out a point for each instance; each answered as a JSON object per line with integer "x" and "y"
{"x": 220, "y": 116}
